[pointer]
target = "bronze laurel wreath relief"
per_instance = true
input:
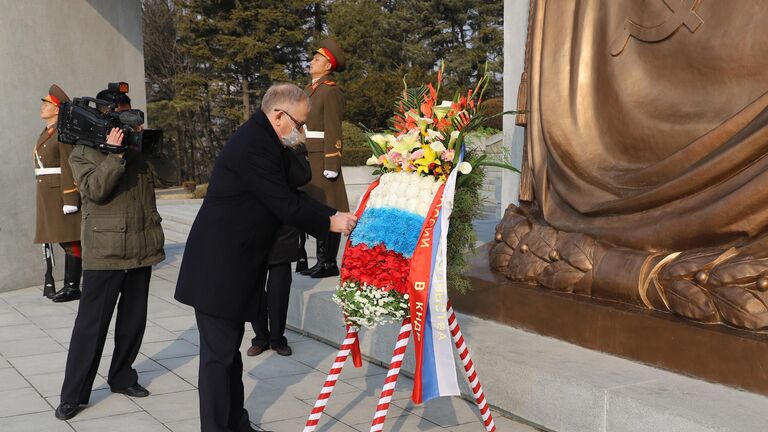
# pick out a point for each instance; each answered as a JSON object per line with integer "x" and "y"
{"x": 713, "y": 285}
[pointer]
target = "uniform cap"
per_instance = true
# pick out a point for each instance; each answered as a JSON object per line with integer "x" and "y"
{"x": 331, "y": 50}
{"x": 56, "y": 96}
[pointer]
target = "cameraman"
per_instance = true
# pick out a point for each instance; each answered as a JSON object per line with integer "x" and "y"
{"x": 122, "y": 239}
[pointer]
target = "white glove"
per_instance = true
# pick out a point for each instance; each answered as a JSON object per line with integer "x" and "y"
{"x": 330, "y": 174}
{"x": 69, "y": 209}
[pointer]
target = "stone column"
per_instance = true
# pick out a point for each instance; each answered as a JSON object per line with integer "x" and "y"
{"x": 515, "y": 31}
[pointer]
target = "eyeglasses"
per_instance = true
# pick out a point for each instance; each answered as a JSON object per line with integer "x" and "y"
{"x": 298, "y": 124}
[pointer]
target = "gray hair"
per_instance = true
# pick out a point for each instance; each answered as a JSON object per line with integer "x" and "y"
{"x": 282, "y": 96}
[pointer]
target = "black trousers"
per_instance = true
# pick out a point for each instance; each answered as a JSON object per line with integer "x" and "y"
{"x": 220, "y": 381}
{"x": 102, "y": 289}
{"x": 273, "y": 313}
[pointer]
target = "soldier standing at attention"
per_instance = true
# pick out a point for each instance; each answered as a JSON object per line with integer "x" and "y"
{"x": 324, "y": 144}
{"x": 58, "y": 201}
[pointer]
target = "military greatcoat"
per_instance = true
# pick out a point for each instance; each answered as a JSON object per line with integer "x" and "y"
{"x": 325, "y": 116}
{"x": 54, "y": 190}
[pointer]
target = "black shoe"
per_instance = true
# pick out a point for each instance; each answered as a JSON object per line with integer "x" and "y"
{"x": 68, "y": 293}
{"x": 301, "y": 265}
{"x": 73, "y": 269}
{"x": 284, "y": 350}
{"x": 320, "y": 254}
{"x": 314, "y": 268}
{"x": 325, "y": 270}
{"x": 66, "y": 410}
{"x": 135, "y": 390}
{"x": 255, "y": 350}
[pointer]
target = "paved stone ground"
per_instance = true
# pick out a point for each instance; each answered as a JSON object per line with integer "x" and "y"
{"x": 34, "y": 336}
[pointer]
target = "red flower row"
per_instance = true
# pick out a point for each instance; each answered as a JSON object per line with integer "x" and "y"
{"x": 377, "y": 266}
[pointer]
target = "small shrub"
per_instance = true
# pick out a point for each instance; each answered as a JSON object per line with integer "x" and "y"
{"x": 355, "y": 156}
{"x": 354, "y": 137}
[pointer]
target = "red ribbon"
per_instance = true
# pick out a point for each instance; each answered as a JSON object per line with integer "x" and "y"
{"x": 418, "y": 286}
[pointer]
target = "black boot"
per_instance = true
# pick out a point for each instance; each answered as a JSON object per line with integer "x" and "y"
{"x": 301, "y": 264}
{"x": 320, "y": 258}
{"x": 73, "y": 269}
{"x": 328, "y": 266}
{"x": 49, "y": 289}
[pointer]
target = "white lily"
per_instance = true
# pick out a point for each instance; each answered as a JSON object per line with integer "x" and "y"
{"x": 465, "y": 167}
{"x": 452, "y": 139}
{"x": 437, "y": 146}
{"x": 421, "y": 122}
{"x": 373, "y": 160}
{"x": 433, "y": 135}
{"x": 380, "y": 140}
{"x": 407, "y": 142}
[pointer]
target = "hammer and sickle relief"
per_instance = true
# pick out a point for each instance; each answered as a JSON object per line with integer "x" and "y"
{"x": 683, "y": 14}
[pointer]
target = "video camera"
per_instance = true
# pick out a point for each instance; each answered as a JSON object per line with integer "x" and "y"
{"x": 88, "y": 121}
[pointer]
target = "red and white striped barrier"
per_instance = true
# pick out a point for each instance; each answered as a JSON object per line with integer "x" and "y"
{"x": 394, "y": 371}
{"x": 469, "y": 371}
{"x": 330, "y": 381}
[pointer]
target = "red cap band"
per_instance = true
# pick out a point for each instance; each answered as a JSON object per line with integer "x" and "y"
{"x": 327, "y": 54}
{"x": 55, "y": 100}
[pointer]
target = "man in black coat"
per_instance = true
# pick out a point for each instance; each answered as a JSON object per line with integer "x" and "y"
{"x": 225, "y": 260}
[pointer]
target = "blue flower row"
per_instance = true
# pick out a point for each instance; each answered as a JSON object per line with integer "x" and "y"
{"x": 396, "y": 229}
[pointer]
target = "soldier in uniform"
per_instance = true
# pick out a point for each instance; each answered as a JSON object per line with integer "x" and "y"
{"x": 324, "y": 144}
{"x": 58, "y": 201}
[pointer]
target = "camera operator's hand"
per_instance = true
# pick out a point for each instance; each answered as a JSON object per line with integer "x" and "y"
{"x": 343, "y": 222}
{"x": 115, "y": 137}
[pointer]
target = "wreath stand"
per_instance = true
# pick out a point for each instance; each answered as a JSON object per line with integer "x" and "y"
{"x": 388, "y": 390}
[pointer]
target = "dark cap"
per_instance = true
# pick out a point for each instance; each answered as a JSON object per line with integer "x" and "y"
{"x": 56, "y": 96}
{"x": 331, "y": 50}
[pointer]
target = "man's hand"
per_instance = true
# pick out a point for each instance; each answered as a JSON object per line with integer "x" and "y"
{"x": 115, "y": 136}
{"x": 343, "y": 223}
{"x": 69, "y": 209}
{"x": 330, "y": 175}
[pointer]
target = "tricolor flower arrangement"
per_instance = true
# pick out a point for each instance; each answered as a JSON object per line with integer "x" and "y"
{"x": 377, "y": 259}
{"x": 414, "y": 160}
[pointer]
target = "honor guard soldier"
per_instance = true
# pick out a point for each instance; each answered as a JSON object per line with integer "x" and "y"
{"x": 324, "y": 144}
{"x": 58, "y": 201}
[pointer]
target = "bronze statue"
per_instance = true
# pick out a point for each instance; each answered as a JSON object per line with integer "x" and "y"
{"x": 645, "y": 179}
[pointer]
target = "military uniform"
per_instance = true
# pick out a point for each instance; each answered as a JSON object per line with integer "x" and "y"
{"x": 325, "y": 145}
{"x": 56, "y": 189}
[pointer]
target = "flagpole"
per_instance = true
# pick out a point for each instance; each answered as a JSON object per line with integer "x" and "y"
{"x": 389, "y": 383}
{"x": 330, "y": 382}
{"x": 469, "y": 371}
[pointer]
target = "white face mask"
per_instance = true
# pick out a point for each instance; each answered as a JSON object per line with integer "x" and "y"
{"x": 292, "y": 139}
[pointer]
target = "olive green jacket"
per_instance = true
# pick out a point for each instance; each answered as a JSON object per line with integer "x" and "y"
{"x": 120, "y": 223}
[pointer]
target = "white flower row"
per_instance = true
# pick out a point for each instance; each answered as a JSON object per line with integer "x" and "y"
{"x": 368, "y": 306}
{"x": 405, "y": 191}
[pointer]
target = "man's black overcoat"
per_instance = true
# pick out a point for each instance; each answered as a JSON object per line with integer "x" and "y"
{"x": 225, "y": 259}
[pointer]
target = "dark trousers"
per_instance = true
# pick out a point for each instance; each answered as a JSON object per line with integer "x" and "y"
{"x": 270, "y": 327}
{"x": 101, "y": 291}
{"x": 220, "y": 381}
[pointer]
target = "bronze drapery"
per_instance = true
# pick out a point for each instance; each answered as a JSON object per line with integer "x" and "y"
{"x": 646, "y": 139}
